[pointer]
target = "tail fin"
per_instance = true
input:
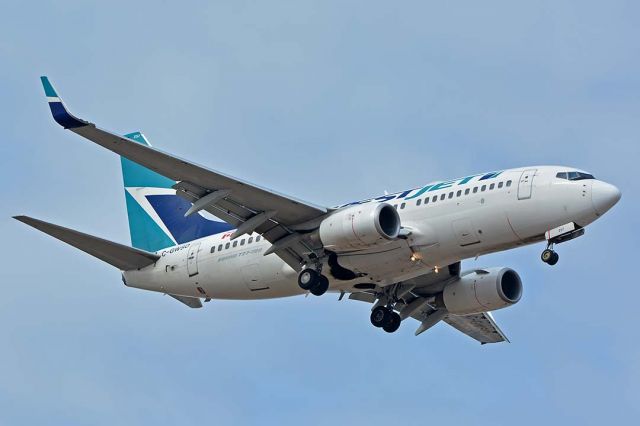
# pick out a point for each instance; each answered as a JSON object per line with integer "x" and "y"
{"x": 156, "y": 213}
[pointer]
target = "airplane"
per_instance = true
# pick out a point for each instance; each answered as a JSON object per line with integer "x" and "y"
{"x": 198, "y": 234}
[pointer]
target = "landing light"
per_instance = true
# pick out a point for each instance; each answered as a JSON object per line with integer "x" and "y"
{"x": 435, "y": 269}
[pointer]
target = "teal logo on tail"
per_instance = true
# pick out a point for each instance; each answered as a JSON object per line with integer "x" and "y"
{"x": 156, "y": 213}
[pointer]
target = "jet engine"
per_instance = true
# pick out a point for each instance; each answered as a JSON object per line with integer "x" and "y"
{"x": 360, "y": 226}
{"x": 482, "y": 290}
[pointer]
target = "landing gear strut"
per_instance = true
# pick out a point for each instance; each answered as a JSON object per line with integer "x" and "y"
{"x": 312, "y": 281}
{"x": 385, "y": 318}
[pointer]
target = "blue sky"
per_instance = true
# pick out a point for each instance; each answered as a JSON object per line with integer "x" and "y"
{"x": 329, "y": 102}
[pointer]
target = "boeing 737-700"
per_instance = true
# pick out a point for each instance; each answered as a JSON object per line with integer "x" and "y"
{"x": 198, "y": 234}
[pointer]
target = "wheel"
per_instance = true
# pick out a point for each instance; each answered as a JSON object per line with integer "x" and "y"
{"x": 308, "y": 278}
{"x": 320, "y": 287}
{"x": 554, "y": 259}
{"x": 547, "y": 255}
{"x": 379, "y": 316}
{"x": 393, "y": 323}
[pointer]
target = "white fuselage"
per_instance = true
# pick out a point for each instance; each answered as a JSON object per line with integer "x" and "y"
{"x": 463, "y": 218}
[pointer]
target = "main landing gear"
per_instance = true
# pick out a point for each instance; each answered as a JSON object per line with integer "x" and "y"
{"x": 385, "y": 318}
{"x": 312, "y": 281}
{"x": 549, "y": 256}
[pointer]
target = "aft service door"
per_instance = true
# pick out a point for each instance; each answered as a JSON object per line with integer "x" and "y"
{"x": 525, "y": 185}
{"x": 192, "y": 259}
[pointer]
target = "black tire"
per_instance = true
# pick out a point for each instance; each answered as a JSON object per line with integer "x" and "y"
{"x": 547, "y": 255}
{"x": 308, "y": 278}
{"x": 393, "y": 323}
{"x": 321, "y": 286}
{"x": 379, "y": 316}
{"x": 554, "y": 259}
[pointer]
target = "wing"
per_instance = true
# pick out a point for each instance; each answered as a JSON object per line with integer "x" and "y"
{"x": 415, "y": 301}
{"x": 481, "y": 327}
{"x": 282, "y": 220}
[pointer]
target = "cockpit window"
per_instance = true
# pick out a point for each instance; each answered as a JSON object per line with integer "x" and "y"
{"x": 574, "y": 176}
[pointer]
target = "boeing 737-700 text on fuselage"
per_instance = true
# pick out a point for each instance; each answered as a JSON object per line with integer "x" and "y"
{"x": 198, "y": 234}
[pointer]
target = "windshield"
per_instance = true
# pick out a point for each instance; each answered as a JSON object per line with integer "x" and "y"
{"x": 574, "y": 176}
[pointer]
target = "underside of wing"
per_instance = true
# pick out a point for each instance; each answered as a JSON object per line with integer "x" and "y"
{"x": 281, "y": 219}
{"x": 481, "y": 327}
{"x": 413, "y": 298}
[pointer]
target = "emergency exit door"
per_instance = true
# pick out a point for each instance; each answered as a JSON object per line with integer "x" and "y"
{"x": 525, "y": 186}
{"x": 192, "y": 259}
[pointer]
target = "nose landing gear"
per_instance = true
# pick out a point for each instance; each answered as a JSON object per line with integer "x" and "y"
{"x": 549, "y": 256}
{"x": 312, "y": 281}
{"x": 558, "y": 235}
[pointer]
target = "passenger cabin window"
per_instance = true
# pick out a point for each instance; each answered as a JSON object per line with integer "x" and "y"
{"x": 442, "y": 197}
{"x": 402, "y": 206}
{"x": 242, "y": 242}
{"x": 451, "y": 195}
{"x": 235, "y": 243}
{"x": 499, "y": 185}
{"x": 466, "y": 191}
{"x": 250, "y": 240}
{"x": 459, "y": 193}
{"x": 426, "y": 200}
{"x": 258, "y": 238}
{"x": 220, "y": 247}
{"x": 493, "y": 185}
{"x": 434, "y": 199}
{"x": 213, "y": 248}
{"x": 475, "y": 189}
{"x": 419, "y": 202}
{"x": 226, "y": 246}
{"x": 508, "y": 183}
{"x": 484, "y": 188}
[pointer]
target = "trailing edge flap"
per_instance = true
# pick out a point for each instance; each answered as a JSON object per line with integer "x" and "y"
{"x": 122, "y": 257}
{"x": 192, "y": 302}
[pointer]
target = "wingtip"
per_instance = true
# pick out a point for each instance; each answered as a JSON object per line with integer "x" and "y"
{"x": 49, "y": 91}
{"x": 59, "y": 111}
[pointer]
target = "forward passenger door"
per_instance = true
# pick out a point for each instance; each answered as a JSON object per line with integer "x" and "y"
{"x": 525, "y": 185}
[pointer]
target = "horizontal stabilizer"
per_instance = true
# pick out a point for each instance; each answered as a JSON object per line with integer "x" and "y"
{"x": 122, "y": 257}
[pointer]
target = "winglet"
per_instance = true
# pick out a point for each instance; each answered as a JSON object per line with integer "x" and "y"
{"x": 59, "y": 111}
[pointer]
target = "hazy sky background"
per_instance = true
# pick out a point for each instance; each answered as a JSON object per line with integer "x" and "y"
{"x": 330, "y": 102}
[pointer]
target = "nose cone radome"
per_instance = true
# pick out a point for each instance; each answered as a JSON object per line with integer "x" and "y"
{"x": 604, "y": 196}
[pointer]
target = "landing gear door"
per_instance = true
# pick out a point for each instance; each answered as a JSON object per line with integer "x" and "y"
{"x": 525, "y": 185}
{"x": 192, "y": 259}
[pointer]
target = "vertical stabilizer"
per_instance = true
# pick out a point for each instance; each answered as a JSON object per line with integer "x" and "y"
{"x": 156, "y": 213}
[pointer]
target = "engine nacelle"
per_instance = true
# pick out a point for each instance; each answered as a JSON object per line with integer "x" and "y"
{"x": 482, "y": 290}
{"x": 360, "y": 226}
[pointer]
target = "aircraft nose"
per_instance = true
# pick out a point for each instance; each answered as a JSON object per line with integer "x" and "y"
{"x": 604, "y": 196}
